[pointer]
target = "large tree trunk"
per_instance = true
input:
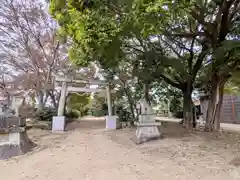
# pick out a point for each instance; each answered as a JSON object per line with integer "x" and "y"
{"x": 42, "y": 98}
{"x": 54, "y": 99}
{"x": 187, "y": 110}
{"x": 131, "y": 103}
{"x": 215, "y": 103}
{"x": 219, "y": 108}
{"x": 146, "y": 92}
{"x": 40, "y": 101}
{"x": 188, "y": 119}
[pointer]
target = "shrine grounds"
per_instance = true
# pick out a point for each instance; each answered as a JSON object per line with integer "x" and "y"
{"x": 88, "y": 152}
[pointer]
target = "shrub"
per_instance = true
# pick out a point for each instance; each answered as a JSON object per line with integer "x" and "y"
{"x": 45, "y": 115}
{"x": 123, "y": 114}
{"x": 72, "y": 114}
{"x": 97, "y": 113}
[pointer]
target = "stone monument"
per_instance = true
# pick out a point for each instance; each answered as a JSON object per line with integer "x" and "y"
{"x": 147, "y": 127}
{"x": 13, "y": 136}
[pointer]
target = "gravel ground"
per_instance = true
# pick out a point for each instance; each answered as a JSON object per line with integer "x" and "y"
{"x": 88, "y": 152}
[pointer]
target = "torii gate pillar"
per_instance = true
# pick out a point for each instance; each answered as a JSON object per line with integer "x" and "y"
{"x": 62, "y": 99}
{"x": 59, "y": 121}
{"x": 109, "y": 101}
{"x": 111, "y": 121}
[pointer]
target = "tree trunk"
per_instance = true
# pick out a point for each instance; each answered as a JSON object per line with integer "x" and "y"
{"x": 215, "y": 103}
{"x": 33, "y": 99}
{"x": 187, "y": 110}
{"x": 188, "y": 120}
{"x": 131, "y": 103}
{"x": 40, "y": 103}
{"x": 53, "y": 98}
{"x": 146, "y": 93}
{"x": 218, "y": 113}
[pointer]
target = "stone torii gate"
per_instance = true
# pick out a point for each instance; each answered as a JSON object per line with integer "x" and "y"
{"x": 65, "y": 85}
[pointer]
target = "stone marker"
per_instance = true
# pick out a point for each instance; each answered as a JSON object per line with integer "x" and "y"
{"x": 147, "y": 127}
{"x": 13, "y": 136}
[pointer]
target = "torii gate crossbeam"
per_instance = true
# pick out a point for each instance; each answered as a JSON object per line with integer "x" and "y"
{"x": 65, "y": 89}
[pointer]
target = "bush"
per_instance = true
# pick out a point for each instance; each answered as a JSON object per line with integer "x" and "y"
{"x": 45, "y": 115}
{"x": 104, "y": 109}
{"x": 176, "y": 107}
{"x": 178, "y": 114}
{"x": 72, "y": 114}
{"x": 123, "y": 114}
{"x": 97, "y": 113}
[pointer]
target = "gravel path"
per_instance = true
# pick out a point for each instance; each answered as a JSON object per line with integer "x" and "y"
{"x": 90, "y": 153}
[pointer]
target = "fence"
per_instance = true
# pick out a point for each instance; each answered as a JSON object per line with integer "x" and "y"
{"x": 230, "y": 112}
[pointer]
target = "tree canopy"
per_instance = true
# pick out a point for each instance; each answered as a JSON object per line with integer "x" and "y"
{"x": 162, "y": 40}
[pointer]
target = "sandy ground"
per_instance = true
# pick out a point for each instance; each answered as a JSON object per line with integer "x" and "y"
{"x": 88, "y": 152}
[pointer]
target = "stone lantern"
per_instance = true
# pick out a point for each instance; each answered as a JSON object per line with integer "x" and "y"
{"x": 147, "y": 127}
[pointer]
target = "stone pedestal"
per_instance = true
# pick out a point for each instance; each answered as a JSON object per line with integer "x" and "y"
{"x": 13, "y": 136}
{"x": 111, "y": 122}
{"x": 58, "y": 123}
{"x": 14, "y": 143}
{"x": 200, "y": 124}
{"x": 146, "y": 132}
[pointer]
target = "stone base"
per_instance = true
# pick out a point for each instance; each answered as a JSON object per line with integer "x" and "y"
{"x": 111, "y": 122}
{"x": 200, "y": 124}
{"x": 58, "y": 123}
{"x": 13, "y": 148}
{"x": 146, "y": 133}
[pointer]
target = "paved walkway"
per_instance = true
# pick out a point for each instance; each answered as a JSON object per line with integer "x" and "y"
{"x": 88, "y": 152}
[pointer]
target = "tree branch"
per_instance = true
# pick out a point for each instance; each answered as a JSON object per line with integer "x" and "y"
{"x": 171, "y": 82}
{"x": 190, "y": 59}
{"x": 199, "y": 61}
{"x": 225, "y": 21}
